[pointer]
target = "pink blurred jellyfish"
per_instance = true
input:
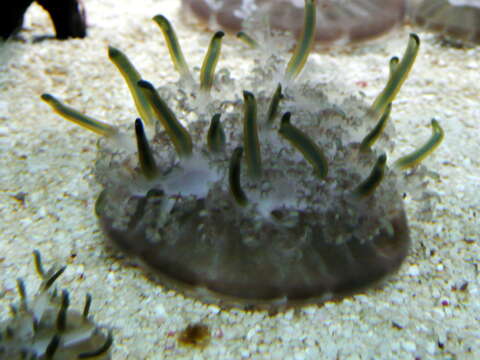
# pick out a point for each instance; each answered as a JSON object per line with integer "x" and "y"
{"x": 338, "y": 21}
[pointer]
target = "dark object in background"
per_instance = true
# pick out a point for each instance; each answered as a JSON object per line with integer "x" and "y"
{"x": 68, "y": 17}
{"x": 11, "y": 18}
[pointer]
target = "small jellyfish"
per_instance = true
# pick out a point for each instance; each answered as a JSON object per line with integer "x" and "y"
{"x": 46, "y": 327}
{"x": 338, "y": 21}
{"x": 345, "y": 22}
{"x": 458, "y": 20}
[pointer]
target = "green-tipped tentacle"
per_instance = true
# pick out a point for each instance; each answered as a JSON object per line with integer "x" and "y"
{"x": 368, "y": 186}
{"x": 305, "y": 43}
{"x": 247, "y": 39}
{"x": 312, "y": 153}
{"x": 22, "y": 292}
{"x": 207, "y": 72}
{"x": 100, "y": 351}
{"x": 62, "y": 313}
{"x": 216, "y": 135}
{"x": 250, "y": 136}
{"x": 174, "y": 47}
{"x": 234, "y": 177}
{"x": 393, "y": 65}
{"x": 52, "y": 347}
{"x": 37, "y": 260}
{"x": 273, "y": 107}
{"x": 417, "y": 156}
{"x": 179, "y": 136}
{"x": 145, "y": 154}
{"x": 52, "y": 276}
{"x": 397, "y": 77}
{"x": 132, "y": 77}
{"x": 86, "y": 307}
{"x": 373, "y": 135}
{"x": 78, "y": 118}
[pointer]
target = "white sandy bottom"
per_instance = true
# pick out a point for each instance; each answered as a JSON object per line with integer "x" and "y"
{"x": 420, "y": 311}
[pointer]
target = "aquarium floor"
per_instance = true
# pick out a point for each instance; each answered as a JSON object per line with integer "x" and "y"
{"x": 428, "y": 310}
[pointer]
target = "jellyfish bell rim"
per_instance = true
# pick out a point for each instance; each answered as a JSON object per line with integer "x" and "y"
{"x": 390, "y": 252}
